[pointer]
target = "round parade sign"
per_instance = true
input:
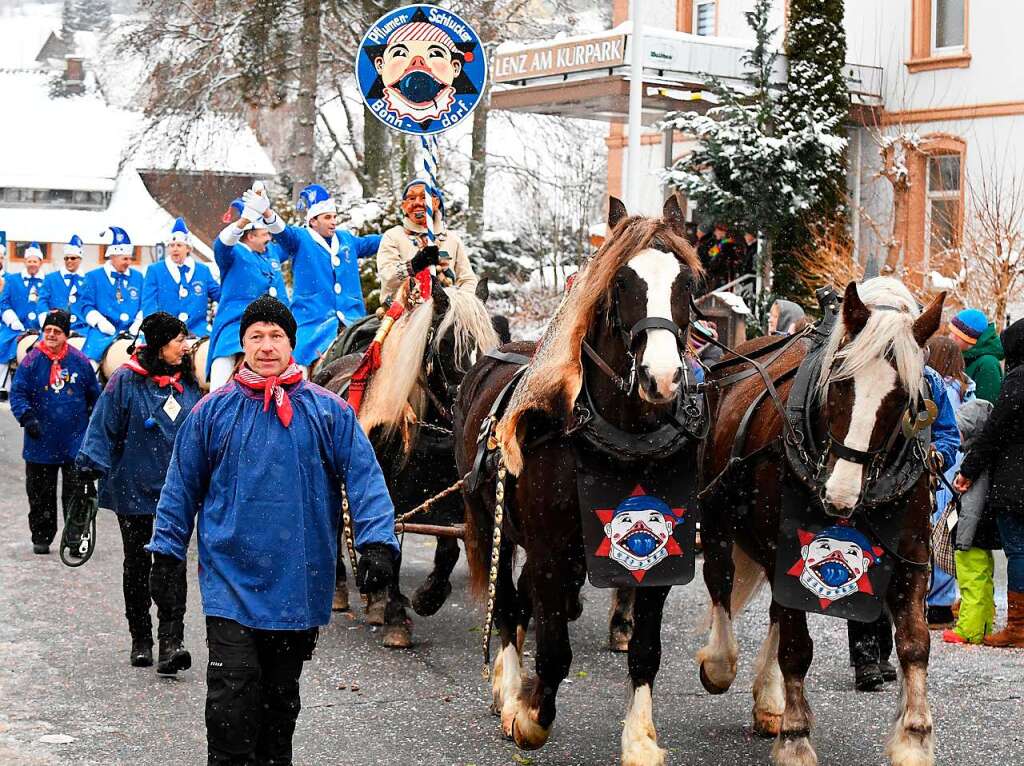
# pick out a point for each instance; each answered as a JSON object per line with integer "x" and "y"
{"x": 421, "y": 69}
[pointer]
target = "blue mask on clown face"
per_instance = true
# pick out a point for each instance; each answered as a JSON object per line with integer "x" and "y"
{"x": 419, "y": 87}
{"x": 640, "y": 544}
{"x": 833, "y": 574}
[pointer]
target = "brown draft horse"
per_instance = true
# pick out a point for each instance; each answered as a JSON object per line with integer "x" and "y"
{"x": 871, "y": 371}
{"x": 645, "y": 271}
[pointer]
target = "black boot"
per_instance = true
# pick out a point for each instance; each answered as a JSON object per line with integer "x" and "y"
{"x": 142, "y": 652}
{"x": 868, "y": 677}
{"x": 889, "y": 673}
{"x": 173, "y": 656}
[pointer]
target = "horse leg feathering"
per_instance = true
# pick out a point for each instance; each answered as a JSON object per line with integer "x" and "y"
{"x": 719, "y": 657}
{"x": 639, "y": 738}
{"x": 769, "y": 697}
{"x": 793, "y": 746}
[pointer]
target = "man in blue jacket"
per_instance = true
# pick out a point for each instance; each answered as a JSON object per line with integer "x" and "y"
{"x": 871, "y": 642}
{"x": 258, "y": 468}
{"x": 21, "y": 304}
{"x": 53, "y": 393}
{"x": 61, "y": 287}
{"x": 326, "y": 292}
{"x": 180, "y": 285}
{"x": 111, "y": 300}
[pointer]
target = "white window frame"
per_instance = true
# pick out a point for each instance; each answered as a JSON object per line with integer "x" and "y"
{"x": 931, "y": 195}
{"x": 949, "y": 49}
{"x": 696, "y": 15}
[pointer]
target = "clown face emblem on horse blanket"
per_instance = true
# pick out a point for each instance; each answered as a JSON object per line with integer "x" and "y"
{"x": 639, "y": 528}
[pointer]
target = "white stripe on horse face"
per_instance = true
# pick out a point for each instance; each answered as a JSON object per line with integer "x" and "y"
{"x": 870, "y": 386}
{"x": 661, "y": 354}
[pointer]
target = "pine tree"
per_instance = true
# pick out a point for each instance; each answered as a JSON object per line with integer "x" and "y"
{"x": 760, "y": 164}
{"x": 815, "y": 92}
{"x": 94, "y": 14}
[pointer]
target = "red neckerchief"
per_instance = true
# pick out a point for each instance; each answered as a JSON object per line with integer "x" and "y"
{"x": 161, "y": 380}
{"x": 54, "y": 357}
{"x": 273, "y": 387}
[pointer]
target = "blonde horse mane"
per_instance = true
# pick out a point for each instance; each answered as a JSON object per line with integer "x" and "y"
{"x": 394, "y": 399}
{"x": 886, "y": 334}
{"x": 555, "y": 376}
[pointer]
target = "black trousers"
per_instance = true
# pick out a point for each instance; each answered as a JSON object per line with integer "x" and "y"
{"x": 136, "y": 532}
{"x": 870, "y": 642}
{"x": 252, "y": 692}
{"x": 41, "y": 486}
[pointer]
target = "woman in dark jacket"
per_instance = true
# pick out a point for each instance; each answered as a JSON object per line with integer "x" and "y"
{"x": 1000, "y": 451}
{"x": 129, "y": 443}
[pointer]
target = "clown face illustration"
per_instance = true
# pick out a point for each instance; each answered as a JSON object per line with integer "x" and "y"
{"x": 639, "y": 533}
{"x": 834, "y": 562}
{"x": 418, "y": 67}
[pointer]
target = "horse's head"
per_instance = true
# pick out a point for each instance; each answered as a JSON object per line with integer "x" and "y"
{"x": 648, "y": 305}
{"x": 871, "y": 377}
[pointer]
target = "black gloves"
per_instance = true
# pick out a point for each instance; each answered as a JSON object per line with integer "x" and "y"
{"x": 31, "y": 426}
{"x": 167, "y": 584}
{"x": 427, "y": 256}
{"x": 376, "y": 568}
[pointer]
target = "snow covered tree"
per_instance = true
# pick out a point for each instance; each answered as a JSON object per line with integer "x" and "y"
{"x": 83, "y": 16}
{"x": 757, "y": 165}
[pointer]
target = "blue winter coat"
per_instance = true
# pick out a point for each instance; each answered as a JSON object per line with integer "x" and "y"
{"x": 61, "y": 291}
{"x": 945, "y": 436}
{"x": 325, "y": 285}
{"x": 268, "y": 502}
{"x": 19, "y": 289}
{"x": 132, "y": 457}
{"x": 245, "y": 275}
{"x": 100, "y": 294}
{"x": 163, "y": 288}
{"x": 61, "y": 409}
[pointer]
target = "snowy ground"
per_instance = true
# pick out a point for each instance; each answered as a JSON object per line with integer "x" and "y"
{"x": 64, "y": 671}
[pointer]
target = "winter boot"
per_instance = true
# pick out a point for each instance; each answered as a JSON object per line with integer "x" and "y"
{"x": 397, "y": 625}
{"x": 939, "y": 617}
{"x": 868, "y": 677}
{"x": 173, "y": 656}
{"x": 142, "y": 653}
{"x": 889, "y": 673}
{"x": 1012, "y": 636}
{"x": 375, "y": 604}
{"x": 40, "y": 549}
{"x": 340, "y": 603}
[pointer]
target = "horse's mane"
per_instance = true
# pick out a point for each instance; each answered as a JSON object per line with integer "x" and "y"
{"x": 886, "y": 334}
{"x": 393, "y": 397}
{"x": 555, "y": 377}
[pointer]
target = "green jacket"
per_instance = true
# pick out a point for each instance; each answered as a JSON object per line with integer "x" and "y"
{"x": 982, "y": 363}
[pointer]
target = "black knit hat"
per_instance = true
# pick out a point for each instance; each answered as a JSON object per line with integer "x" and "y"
{"x": 160, "y": 328}
{"x": 58, "y": 318}
{"x": 266, "y": 308}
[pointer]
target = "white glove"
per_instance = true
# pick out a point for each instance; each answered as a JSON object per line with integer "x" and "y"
{"x": 251, "y": 214}
{"x": 105, "y": 327}
{"x": 136, "y": 325}
{"x": 258, "y": 202}
{"x": 42, "y": 319}
{"x": 16, "y": 325}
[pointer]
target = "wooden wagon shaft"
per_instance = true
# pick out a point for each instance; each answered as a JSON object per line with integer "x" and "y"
{"x": 435, "y": 530}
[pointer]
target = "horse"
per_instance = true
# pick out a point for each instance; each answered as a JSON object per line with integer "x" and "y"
{"x": 619, "y": 337}
{"x": 407, "y": 415}
{"x": 870, "y": 377}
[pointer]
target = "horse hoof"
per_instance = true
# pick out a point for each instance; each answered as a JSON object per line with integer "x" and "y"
{"x": 527, "y": 733}
{"x": 375, "y": 608}
{"x": 397, "y": 636}
{"x": 767, "y": 725}
{"x": 430, "y": 597}
{"x": 340, "y": 602}
{"x": 709, "y": 686}
{"x": 618, "y": 639}
{"x": 794, "y": 751}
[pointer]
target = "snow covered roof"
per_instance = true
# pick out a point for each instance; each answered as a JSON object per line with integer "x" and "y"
{"x": 733, "y": 301}
{"x": 23, "y": 32}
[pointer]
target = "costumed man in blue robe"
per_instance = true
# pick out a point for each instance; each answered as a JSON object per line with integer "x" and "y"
{"x": 326, "y": 292}
{"x": 61, "y": 288}
{"x": 129, "y": 444}
{"x": 180, "y": 285}
{"x": 54, "y": 391}
{"x": 250, "y": 266}
{"x": 21, "y": 304}
{"x": 111, "y": 299}
{"x": 258, "y": 470}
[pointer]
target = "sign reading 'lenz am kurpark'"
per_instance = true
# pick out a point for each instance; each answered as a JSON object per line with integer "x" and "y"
{"x": 560, "y": 58}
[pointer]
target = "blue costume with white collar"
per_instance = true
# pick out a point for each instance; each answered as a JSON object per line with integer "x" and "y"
{"x": 266, "y": 500}
{"x": 22, "y": 298}
{"x": 115, "y": 297}
{"x": 183, "y": 291}
{"x": 62, "y": 290}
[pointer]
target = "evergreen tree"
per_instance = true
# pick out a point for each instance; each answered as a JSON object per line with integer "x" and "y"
{"x": 70, "y": 21}
{"x": 761, "y": 163}
{"x": 94, "y": 14}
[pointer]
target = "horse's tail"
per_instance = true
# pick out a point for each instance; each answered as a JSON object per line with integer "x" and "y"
{"x": 479, "y": 535}
{"x": 748, "y": 579}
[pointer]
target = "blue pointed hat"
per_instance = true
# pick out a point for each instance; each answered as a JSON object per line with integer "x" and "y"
{"x": 120, "y": 244}
{"x": 74, "y": 246}
{"x": 179, "y": 232}
{"x": 34, "y": 251}
{"x": 3, "y": 243}
{"x": 315, "y": 200}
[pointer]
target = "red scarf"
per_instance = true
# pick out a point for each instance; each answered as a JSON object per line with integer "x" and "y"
{"x": 54, "y": 357}
{"x": 161, "y": 380}
{"x": 273, "y": 387}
